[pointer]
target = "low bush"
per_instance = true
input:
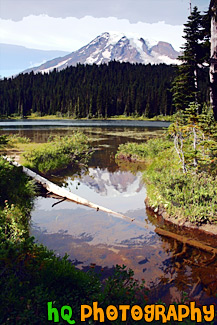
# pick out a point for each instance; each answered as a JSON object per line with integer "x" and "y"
{"x": 31, "y": 276}
{"x": 3, "y": 141}
{"x": 14, "y": 138}
{"x": 190, "y": 196}
{"x": 141, "y": 151}
{"x": 15, "y": 187}
{"x": 59, "y": 153}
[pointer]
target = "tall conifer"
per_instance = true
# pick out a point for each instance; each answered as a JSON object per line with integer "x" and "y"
{"x": 186, "y": 87}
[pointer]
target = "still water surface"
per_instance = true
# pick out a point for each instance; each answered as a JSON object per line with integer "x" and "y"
{"x": 89, "y": 237}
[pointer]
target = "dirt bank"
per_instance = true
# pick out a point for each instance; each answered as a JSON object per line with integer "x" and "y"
{"x": 181, "y": 222}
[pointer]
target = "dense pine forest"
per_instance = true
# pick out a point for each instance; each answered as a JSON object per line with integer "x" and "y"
{"x": 93, "y": 91}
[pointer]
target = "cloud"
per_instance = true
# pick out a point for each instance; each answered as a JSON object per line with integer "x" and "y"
{"x": 173, "y": 12}
{"x": 69, "y": 34}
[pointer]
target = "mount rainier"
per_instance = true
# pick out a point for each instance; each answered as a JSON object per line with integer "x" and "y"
{"x": 114, "y": 46}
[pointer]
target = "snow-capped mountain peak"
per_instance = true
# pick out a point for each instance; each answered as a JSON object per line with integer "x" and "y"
{"x": 115, "y": 46}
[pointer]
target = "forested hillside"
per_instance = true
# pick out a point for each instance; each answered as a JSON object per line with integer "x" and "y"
{"x": 91, "y": 91}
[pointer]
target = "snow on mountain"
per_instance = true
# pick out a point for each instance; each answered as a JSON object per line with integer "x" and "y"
{"x": 112, "y": 184}
{"x": 115, "y": 46}
{"x": 105, "y": 183}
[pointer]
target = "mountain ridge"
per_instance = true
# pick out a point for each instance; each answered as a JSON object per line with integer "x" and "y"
{"x": 114, "y": 46}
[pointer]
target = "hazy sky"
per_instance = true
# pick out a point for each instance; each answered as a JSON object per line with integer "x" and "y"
{"x": 70, "y": 24}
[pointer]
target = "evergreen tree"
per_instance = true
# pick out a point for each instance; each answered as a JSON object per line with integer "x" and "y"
{"x": 90, "y": 108}
{"x": 100, "y": 103}
{"x": 186, "y": 86}
{"x": 77, "y": 108}
{"x": 213, "y": 56}
{"x": 82, "y": 91}
{"x": 147, "y": 109}
{"x": 127, "y": 108}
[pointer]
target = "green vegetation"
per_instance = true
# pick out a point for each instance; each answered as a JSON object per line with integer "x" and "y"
{"x": 181, "y": 172}
{"x": 58, "y": 153}
{"x": 180, "y": 176}
{"x": 195, "y": 138}
{"x": 181, "y": 169}
{"x": 192, "y": 74}
{"x": 142, "y": 151}
{"x": 15, "y": 187}
{"x": 31, "y": 275}
{"x": 91, "y": 91}
{"x": 14, "y": 139}
{"x": 3, "y": 141}
{"x": 168, "y": 118}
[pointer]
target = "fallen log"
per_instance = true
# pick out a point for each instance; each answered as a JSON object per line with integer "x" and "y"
{"x": 66, "y": 195}
{"x": 187, "y": 241}
{"x": 53, "y": 188}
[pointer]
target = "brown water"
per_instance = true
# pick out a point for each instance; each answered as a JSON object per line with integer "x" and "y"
{"x": 89, "y": 237}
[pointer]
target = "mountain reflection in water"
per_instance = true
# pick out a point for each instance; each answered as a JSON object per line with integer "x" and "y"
{"x": 112, "y": 184}
{"x": 96, "y": 237}
{"x": 105, "y": 240}
{"x": 88, "y": 236}
{"x": 117, "y": 191}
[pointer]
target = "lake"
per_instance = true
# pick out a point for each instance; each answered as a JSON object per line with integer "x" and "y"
{"x": 88, "y": 236}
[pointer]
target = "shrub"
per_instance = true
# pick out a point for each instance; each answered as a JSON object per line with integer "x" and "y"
{"x": 59, "y": 153}
{"x": 141, "y": 151}
{"x": 13, "y": 139}
{"x": 190, "y": 195}
{"x": 31, "y": 275}
{"x": 15, "y": 187}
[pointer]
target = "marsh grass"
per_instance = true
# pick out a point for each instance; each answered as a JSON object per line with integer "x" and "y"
{"x": 37, "y": 116}
{"x": 58, "y": 153}
{"x": 14, "y": 139}
{"x": 15, "y": 187}
{"x": 191, "y": 197}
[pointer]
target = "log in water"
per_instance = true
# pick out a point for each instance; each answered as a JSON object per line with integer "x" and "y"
{"x": 55, "y": 189}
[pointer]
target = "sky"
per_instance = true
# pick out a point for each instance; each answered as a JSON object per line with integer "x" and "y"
{"x": 70, "y": 24}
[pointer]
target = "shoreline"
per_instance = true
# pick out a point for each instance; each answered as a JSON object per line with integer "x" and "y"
{"x": 160, "y": 212}
{"x": 156, "y": 118}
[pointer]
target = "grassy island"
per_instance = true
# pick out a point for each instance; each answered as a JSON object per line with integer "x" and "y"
{"x": 58, "y": 153}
